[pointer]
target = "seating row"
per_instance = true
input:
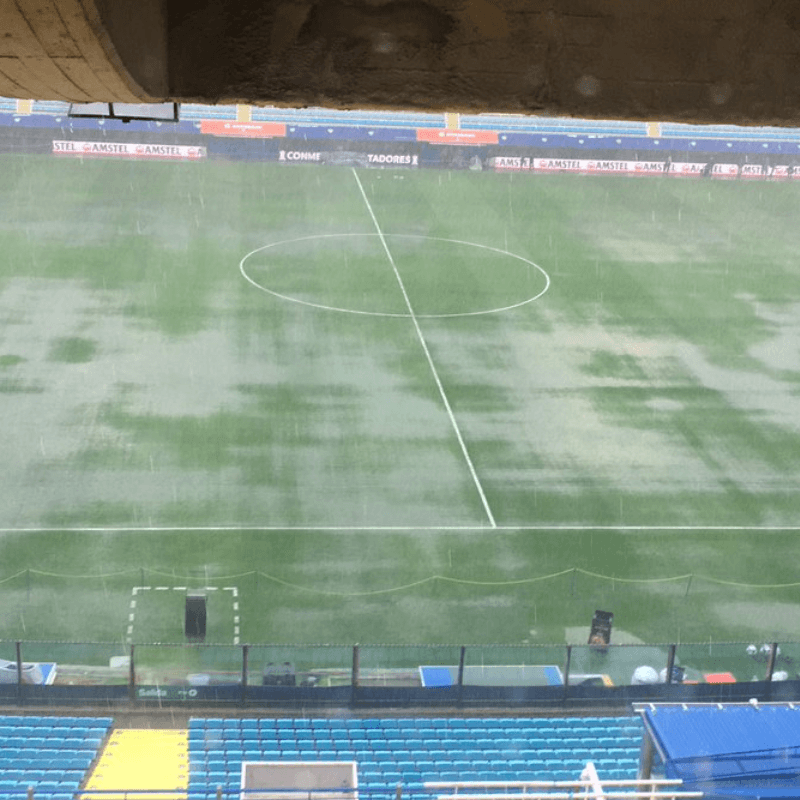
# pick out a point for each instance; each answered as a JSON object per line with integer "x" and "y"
{"x": 61, "y": 764}
{"x": 39, "y": 744}
{"x": 38, "y": 756}
{"x": 444, "y": 761}
{"x": 103, "y": 723}
{"x": 413, "y": 722}
{"x": 480, "y": 739}
{"x": 202, "y": 756}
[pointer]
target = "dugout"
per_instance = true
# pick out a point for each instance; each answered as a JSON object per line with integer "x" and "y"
{"x": 728, "y": 751}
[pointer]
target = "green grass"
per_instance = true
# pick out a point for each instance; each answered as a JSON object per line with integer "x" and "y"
{"x": 648, "y": 397}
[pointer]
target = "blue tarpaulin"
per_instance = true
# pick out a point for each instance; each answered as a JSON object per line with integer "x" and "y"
{"x": 730, "y": 752}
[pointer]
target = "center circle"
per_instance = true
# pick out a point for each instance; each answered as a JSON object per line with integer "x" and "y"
{"x": 386, "y": 239}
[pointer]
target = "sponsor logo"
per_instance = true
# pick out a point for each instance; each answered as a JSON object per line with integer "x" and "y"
{"x": 512, "y": 162}
{"x": 250, "y": 130}
{"x": 607, "y": 166}
{"x": 298, "y": 155}
{"x": 395, "y": 160}
{"x": 682, "y": 168}
{"x": 557, "y": 164}
{"x": 451, "y": 136}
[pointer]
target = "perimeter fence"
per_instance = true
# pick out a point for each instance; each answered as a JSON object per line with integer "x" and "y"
{"x": 300, "y": 676}
{"x": 130, "y": 642}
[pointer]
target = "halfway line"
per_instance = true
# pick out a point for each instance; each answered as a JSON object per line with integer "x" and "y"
{"x": 428, "y": 356}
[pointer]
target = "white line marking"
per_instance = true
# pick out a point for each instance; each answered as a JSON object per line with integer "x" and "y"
{"x": 323, "y": 307}
{"x": 232, "y": 589}
{"x": 424, "y": 344}
{"x": 434, "y": 528}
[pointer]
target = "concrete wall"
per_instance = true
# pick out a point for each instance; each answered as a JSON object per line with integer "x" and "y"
{"x": 79, "y": 50}
{"x": 709, "y": 61}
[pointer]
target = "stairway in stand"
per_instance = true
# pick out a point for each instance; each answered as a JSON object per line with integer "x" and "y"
{"x": 144, "y": 760}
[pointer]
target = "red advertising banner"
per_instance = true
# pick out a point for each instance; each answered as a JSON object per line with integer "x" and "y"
{"x": 450, "y": 136}
{"x": 251, "y": 130}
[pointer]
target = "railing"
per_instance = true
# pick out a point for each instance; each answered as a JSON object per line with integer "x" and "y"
{"x": 379, "y": 675}
{"x": 588, "y": 785}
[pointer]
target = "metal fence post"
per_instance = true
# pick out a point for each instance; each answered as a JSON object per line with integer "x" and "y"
{"x": 773, "y": 653}
{"x": 245, "y": 649}
{"x": 461, "y": 660}
{"x": 354, "y": 674}
{"x": 131, "y": 676}
{"x": 566, "y": 671}
{"x": 19, "y": 671}
{"x": 670, "y": 663}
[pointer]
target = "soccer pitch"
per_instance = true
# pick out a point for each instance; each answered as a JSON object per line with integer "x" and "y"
{"x": 400, "y": 407}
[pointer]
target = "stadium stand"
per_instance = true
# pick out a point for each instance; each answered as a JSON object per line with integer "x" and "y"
{"x": 728, "y": 132}
{"x": 51, "y": 755}
{"x": 508, "y": 123}
{"x": 413, "y": 751}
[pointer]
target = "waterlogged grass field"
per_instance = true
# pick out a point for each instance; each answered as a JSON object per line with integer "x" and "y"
{"x": 400, "y": 407}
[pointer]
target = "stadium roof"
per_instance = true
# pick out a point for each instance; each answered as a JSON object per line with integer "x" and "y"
{"x": 711, "y": 62}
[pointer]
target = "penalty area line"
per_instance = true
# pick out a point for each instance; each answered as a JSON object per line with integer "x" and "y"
{"x": 439, "y": 386}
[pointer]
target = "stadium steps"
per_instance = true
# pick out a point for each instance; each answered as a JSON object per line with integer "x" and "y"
{"x": 141, "y": 759}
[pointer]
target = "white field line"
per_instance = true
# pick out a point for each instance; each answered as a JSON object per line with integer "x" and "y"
{"x": 136, "y": 591}
{"x": 404, "y": 529}
{"x": 424, "y": 344}
{"x": 499, "y": 310}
